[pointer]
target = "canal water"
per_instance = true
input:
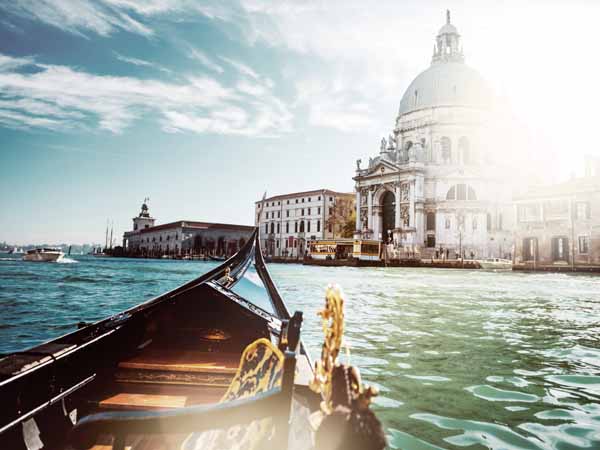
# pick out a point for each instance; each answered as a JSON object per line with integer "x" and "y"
{"x": 461, "y": 358}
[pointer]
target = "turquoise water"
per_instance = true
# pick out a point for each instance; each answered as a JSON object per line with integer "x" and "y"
{"x": 462, "y": 359}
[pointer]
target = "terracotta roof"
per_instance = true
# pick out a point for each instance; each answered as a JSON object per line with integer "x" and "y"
{"x": 303, "y": 193}
{"x": 200, "y": 225}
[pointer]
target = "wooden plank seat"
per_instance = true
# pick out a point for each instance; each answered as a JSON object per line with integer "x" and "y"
{"x": 184, "y": 361}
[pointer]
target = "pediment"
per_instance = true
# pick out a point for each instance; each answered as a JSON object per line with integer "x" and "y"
{"x": 387, "y": 166}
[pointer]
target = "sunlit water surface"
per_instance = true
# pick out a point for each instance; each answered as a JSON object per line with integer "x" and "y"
{"x": 461, "y": 358}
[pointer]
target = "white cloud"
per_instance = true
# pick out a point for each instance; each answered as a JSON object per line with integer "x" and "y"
{"x": 241, "y": 67}
{"x": 62, "y": 97}
{"x": 76, "y": 16}
{"x": 203, "y": 58}
{"x": 140, "y": 62}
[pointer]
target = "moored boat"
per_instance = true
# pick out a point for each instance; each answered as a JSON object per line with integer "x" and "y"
{"x": 217, "y": 258}
{"x": 44, "y": 254}
{"x": 495, "y": 264}
{"x": 186, "y": 368}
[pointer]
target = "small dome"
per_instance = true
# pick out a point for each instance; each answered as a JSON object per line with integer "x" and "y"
{"x": 448, "y": 29}
{"x": 446, "y": 84}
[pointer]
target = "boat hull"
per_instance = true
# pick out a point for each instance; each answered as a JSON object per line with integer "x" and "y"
{"x": 495, "y": 265}
{"x": 44, "y": 257}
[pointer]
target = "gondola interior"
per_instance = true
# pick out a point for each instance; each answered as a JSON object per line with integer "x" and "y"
{"x": 176, "y": 352}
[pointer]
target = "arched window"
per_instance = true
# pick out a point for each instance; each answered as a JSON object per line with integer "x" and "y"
{"x": 461, "y": 192}
{"x": 287, "y": 227}
{"x": 465, "y": 150}
{"x": 272, "y": 227}
{"x": 446, "y": 150}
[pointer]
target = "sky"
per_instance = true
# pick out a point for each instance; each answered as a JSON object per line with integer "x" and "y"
{"x": 203, "y": 106}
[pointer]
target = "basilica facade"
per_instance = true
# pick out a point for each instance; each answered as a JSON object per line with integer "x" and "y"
{"x": 436, "y": 183}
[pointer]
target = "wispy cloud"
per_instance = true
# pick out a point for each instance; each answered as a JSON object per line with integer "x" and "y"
{"x": 203, "y": 58}
{"x": 61, "y": 97}
{"x": 241, "y": 67}
{"x": 140, "y": 62}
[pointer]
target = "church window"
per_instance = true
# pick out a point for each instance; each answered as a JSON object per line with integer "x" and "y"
{"x": 451, "y": 193}
{"x": 461, "y": 192}
{"x": 446, "y": 150}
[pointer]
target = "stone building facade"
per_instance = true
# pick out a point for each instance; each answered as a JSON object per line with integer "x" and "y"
{"x": 287, "y": 222}
{"x": 560, "y": 224}
{"x": 436, "y": 181}
{"x": 183, "y": 237}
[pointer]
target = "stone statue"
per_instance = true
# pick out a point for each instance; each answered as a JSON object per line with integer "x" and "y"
{"x": 391, "y": 143}
{"x": 358, "y": 161}
{"x": 383, "y": 144}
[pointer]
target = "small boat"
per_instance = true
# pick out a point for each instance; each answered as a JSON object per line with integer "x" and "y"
{"x": 495, "y": 264}
{"x": 13, "y": 250}
{"x": 217, "y": 258}
{"x": 44, "y": 254}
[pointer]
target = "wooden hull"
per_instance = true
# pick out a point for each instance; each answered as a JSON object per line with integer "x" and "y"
{"x": 177, "y": 350}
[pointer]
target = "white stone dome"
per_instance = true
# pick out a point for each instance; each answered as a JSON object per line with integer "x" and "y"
{"x": 448, "y": 29}
{"x": 446, "y": 84}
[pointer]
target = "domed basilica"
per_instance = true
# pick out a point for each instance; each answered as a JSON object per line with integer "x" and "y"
{"x": 434, "y": 184}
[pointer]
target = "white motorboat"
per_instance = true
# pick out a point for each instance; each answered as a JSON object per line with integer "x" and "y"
{"x": 44, "y": 254}
{"x": 495, "y": 264}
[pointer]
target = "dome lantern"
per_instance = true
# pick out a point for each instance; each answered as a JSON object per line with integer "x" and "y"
{"x": 447, "y": 47}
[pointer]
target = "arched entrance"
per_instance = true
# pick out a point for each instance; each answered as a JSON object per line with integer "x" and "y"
{"x": 388, "y": 203}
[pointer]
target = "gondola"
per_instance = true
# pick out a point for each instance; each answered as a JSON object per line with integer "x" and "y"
{"x": 217, "y": 258}
{"x": 215, "y": 360}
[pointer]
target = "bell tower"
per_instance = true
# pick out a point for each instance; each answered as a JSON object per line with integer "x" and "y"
{"x": 143, "y": 220}
{"x": 447, "y": 46}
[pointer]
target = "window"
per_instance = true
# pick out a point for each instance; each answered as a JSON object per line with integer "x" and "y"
{"x": 287, "y": 213}
{"x": 287, "y": 227}
{"x": 278, "y": 203}
{"x": 176, "y": 236}
{"x": 330, "y": 228}
{"x": 319, "y": 199}
{"x": 277, "y": 228}
{"x": 583, "y": 210}
{"x": 309, "y": 199}
{"x": 288, "y": 202}
{"x": 302, "y": 226}
{"x": 529, "y": 212}
{"x": 330, "y": 199}
{"x": 308, "y": 226}
{"x": 319, "y": 210}
{"x": 430, "y": 221}
{"x": 277, "y": 244}
{"x": 584, "y": 244}
{"x": 134, "y": 226}
{"x": 446, "y": 150}
{"x": 278, "y": 214}
{"x": 461, "y": 192}
{"x": 295, "y": 227}
{"x": 309, "y": 211}
{"x": 266, "y": 227}
{"x": 286, "y": 243}
{"x": 296, "y": 200}
{"x": 318, "y": 226}
{"x": 295, "y": 243}
{"x": 448, "y": 223}
{"x": 146, "y": 226}
{"x": 302, "y": 200}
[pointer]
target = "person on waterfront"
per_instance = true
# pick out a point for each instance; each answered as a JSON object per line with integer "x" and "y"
{"x": 436, "y": 254}
{"x": 447, "y": 253}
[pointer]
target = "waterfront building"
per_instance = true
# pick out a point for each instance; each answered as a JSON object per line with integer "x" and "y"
{"x": 439, "y": 180}
{"x": 559, "y": 224}
{"x": 287, "y": 222}
{"x": 182, "y": 237}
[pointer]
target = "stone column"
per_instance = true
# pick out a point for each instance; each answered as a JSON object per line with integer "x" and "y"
{"x": 358, "y": 224}
{"x": 370, "y": 210}
{"x": 397, "y": 219}
{"x": 411, "y": 209}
